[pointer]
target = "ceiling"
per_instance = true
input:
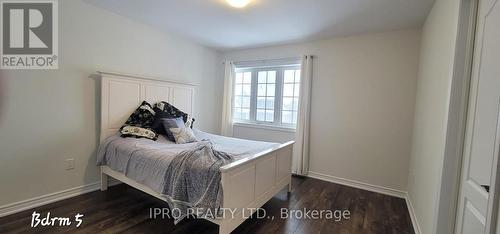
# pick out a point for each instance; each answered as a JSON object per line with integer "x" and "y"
{"x": 269, "y": 22}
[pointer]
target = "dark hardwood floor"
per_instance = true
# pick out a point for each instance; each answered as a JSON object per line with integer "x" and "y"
{"x": 123, "y": 209}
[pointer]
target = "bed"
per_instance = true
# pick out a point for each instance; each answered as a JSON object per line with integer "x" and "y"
{"x": 258, "y": 172}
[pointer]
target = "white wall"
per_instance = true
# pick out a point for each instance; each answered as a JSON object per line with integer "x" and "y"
{"x": 48, "y": 116}
{"x": 431, "y": 113}
{"x": 363, "y": 97}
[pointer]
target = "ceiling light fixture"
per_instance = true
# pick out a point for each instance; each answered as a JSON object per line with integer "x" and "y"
{"x": 238, "y": 3}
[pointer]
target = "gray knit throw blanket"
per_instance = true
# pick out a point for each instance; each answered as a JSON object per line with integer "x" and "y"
{"x": 193, "y": 180}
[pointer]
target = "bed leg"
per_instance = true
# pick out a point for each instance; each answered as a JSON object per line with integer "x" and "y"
{"x": 104, "y": 181}
{"x": 290, "y": 187}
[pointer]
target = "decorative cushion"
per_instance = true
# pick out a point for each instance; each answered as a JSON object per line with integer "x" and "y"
{"x": 143, "y": 116}
{"x": 157, "y": 125}
{"x": 138, "y": 132}
{"x": 171, "y": 123}
{"x": 160, "y": 115}
{"x": 183, "y": 135}
{"x": 166, "y": 110}
{"x": 139, "y": 123}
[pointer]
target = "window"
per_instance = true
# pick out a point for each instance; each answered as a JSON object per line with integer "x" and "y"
{"x": 291, "y": 89}
{"x": 267, "y": 95}
{"x": 266, "y": 92}
{"x": 242, "y": 95}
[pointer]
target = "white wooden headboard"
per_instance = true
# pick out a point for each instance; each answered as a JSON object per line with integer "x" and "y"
{"x": 121, "y": 94}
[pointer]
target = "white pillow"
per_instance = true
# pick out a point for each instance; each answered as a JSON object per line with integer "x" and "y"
{"x": 183, "y": 135}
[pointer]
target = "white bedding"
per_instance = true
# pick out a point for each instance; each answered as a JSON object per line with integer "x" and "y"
{"x": 146, "y": 161}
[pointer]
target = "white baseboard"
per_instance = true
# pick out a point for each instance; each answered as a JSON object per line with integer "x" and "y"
{"x": 46, "y": 199}
{"x": 413, "y": 216}
{"x": 50, "y": 198}
{"x": 358, "y": 184}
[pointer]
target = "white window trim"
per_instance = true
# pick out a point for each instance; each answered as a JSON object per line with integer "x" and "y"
{"x": 278, "y": 105}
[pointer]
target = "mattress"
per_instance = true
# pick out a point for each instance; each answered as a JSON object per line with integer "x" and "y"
{"x": 146, "y": 161}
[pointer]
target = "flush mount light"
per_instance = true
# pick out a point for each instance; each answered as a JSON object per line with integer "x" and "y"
{"x": 238, "y": 3}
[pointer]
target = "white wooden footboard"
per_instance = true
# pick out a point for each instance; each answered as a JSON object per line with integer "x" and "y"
{"x": 249, "y": 184}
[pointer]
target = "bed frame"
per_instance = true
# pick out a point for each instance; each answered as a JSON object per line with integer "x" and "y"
{"x": 247, "y": 183}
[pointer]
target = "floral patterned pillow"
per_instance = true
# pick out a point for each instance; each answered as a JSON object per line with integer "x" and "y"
{"x": 183, "y": 135}
{"x": 166, "y": 110}
{"x": 138, "y": 132}
{"x": 139, "y": 123}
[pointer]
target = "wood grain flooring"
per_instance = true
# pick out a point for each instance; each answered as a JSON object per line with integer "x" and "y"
{"x": 123, "y": 209}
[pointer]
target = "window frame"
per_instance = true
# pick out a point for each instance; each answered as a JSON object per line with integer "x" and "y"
{"x": 276, "y": 124}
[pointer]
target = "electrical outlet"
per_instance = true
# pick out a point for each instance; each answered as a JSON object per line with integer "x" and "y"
{"x": 70, "y": 164}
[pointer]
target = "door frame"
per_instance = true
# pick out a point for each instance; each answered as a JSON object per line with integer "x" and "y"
{"x": 449, "y": 184}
